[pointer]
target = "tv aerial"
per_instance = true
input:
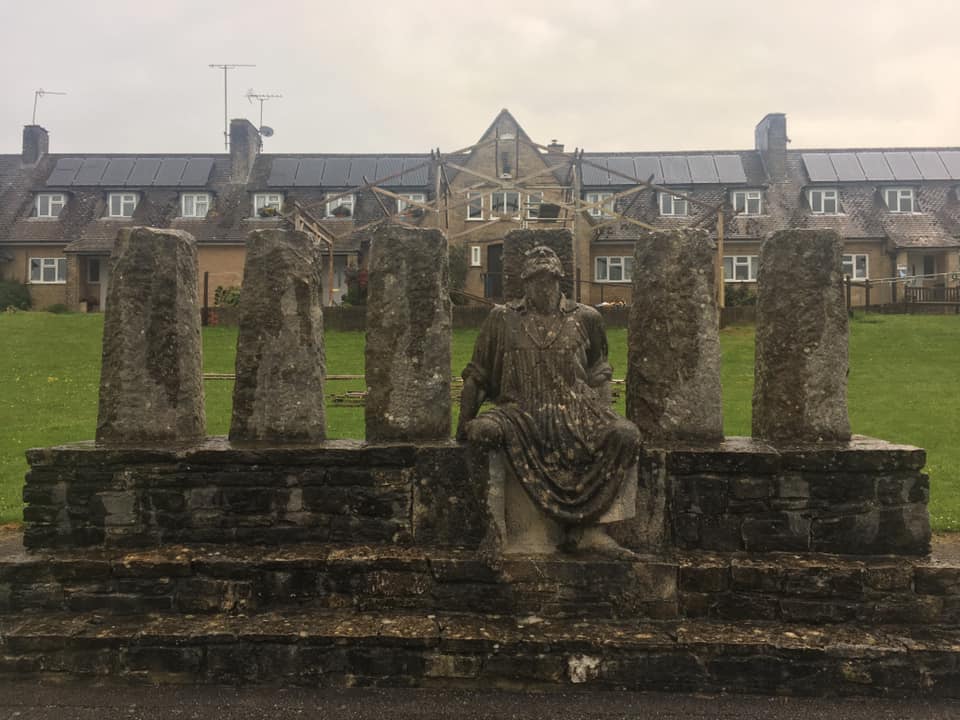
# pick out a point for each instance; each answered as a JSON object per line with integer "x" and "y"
{"x": 37, "y": 94}
{"x": 262, "y": 97}
{"x": 226, "y": 123}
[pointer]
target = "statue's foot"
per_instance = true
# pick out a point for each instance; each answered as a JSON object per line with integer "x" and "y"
{"x": 595, "y": 539}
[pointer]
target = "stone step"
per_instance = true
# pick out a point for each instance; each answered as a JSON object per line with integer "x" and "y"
{"x": 233, "y": 578}
{"x": 349, "y": 648}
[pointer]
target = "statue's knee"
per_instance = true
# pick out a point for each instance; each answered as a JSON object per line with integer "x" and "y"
{"x": 484, "y": 432}
{"x": 624, "y": 434}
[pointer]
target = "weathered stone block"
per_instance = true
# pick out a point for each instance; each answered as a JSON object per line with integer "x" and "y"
{"x": 673, "y": 365}
{"x": 280, "y": 364}
{"x": 408, "y": 336}
{"x": 800, "y": 385}
{"x": 151, "y": 383}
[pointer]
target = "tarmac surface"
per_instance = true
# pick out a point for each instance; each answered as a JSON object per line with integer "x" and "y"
{"x": 35, "y": 701}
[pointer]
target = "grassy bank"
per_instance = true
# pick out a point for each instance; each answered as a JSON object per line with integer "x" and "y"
{"x": 904, "y": 387}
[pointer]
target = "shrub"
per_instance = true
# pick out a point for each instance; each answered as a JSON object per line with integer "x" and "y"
{"x": 57, "y": 308}
{"x": 14, "y": 294}
{"x": 458, "y": 272}
{"x": 226, "y": 296}
{"x": 736, "y": 295}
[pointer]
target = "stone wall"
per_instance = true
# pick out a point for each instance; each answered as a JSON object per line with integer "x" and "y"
{"x": 866, "y": 498}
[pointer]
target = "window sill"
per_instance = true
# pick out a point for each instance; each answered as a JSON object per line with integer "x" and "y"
{"x": 113, "y": 218}
{"x": 40, "y": 282}
{"x": 738, "y": 282}
{"x": 43, "y": 219}
{"x": 614, "y": 282}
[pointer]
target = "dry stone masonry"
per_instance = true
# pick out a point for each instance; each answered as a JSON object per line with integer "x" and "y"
{"x": 800, "y": 379}
{"x": 278, "y": 395}
{"x": 408, "y": 335}
{"x": 786, "y": 566}
{"x": 673, "y": 374}
{"x": 151, "y": 384}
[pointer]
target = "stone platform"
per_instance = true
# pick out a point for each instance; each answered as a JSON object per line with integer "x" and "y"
{"x": 862, "y": 497}
{"x": 379, "y": 615}
{"x": 348, "y": 563}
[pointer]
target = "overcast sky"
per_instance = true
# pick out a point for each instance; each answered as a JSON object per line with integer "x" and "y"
{"x": 371, "y": 75}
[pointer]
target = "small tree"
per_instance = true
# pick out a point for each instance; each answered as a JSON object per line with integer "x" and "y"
{"x": 14, "y": 294}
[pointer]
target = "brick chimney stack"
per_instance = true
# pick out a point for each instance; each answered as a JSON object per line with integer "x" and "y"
{"x": 244, "y": 147}
{"x": 771, "y": 141}
{"x": 36, "y": 144}
{"x": 555, "y": 147}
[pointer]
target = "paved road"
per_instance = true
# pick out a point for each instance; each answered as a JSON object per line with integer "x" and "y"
{"x": 32, "y": 701}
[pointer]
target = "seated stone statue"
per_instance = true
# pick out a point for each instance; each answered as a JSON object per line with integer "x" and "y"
{"x": 543, "y": 361}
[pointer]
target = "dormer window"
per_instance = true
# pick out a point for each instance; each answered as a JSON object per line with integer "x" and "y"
{"x": 672, "y": 205}
{"x": 267, "y": 204}
{"x": 341, "y": 207}
{"x": 747, "y": 202}
{"x": 403, "y": 205}
{"x": 49, "y": 205}
{"x": 194, "y": 205}
{"x": 605, "y": 210}
{"x": 824, "y": 201}
{"x": 122, "y": 205}
{"x": 900, "y": 200}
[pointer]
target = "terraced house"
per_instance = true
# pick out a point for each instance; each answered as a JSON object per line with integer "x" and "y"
{"x": 897, "y": 209}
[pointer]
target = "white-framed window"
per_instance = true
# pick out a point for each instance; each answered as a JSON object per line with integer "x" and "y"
{"x": 475, "y": 258}
{"x": 672, "y": 205}
{"x": 194, "y": 205}
{"x": 474, "y": 206}
{"x": 824, "y": 201}
{"x": 505, "y": 203}
{"x": 122, "y": 205}
{"x": 740, "y": 268}
{"x": 263, "y": 201}
{"x": 747, "y": 202}
{"x": 47, "y": 271}
{"x": 416, "y": 197}
{"x": 49, "y": 205}
{"x": 341, "y": 207}
{"x": 613, "y": 268}
{"x": 93, "y": 270}
{"x": 856, "y": 266}
{"x": 534, "y": 201}
{"x": 605, "y": 210}
{"x": 900, "y": 200}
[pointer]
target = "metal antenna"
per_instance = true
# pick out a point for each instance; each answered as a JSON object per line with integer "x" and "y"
{"x": 226, "y": 123}
{"x": 37, "y": 94}
{"x": 261, "y": 97}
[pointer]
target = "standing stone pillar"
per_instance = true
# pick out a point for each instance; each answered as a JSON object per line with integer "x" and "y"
{"x": 800, "y": 376}
{"x": 408, "y": 335}
{"x": 518, "y": 242}
{"x": 151, "y": 382}
{"x": 673, "y": 358}
{"x": 278, "y": 395}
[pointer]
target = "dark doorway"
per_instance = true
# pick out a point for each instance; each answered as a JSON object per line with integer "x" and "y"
{"x": 493, "y": 280}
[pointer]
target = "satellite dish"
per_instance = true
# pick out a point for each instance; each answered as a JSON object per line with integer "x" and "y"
{"x": 266, "y": 131}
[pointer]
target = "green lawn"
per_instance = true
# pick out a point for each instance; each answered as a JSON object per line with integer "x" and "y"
{"x": 904, "y": 387}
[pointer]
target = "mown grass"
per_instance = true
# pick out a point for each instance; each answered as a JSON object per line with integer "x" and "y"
{"x": 904, "y": 387}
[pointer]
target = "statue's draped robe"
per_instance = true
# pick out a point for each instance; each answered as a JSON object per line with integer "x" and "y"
{"x": 558, "y": 428}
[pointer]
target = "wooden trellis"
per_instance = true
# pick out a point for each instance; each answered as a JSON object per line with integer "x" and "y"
{"x": 572, "y": 205}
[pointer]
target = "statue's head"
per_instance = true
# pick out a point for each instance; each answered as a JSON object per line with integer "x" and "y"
{"x": 541, "y": 259}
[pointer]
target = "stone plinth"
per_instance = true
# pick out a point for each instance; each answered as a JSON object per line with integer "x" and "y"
{"x": 518, "y": 242}
{"x": 278, "y": 395}
{"x": 865, "y": 497}
{"x": 800, "y": 377}
{"x": 408, "y": 336}
{"x": 151, "y": 383}
{"x": 673, "y": 366}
